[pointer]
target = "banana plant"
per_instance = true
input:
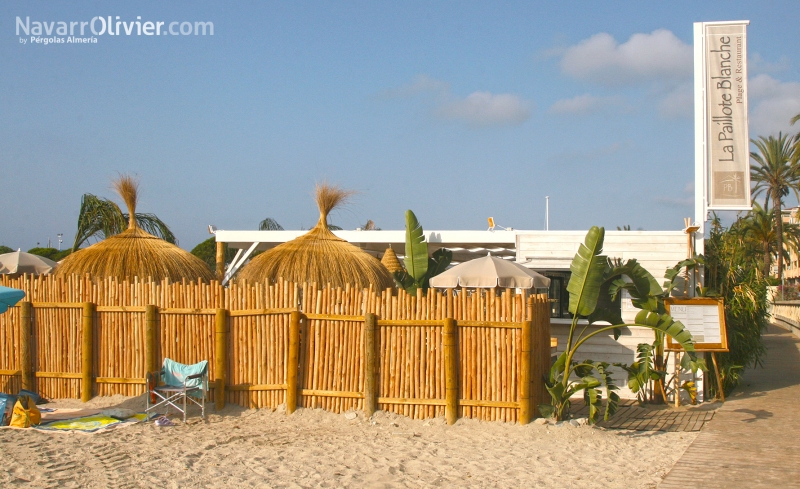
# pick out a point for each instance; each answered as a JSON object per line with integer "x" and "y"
{"x": 419, "y": 268}
{"x": 642, "y": 372}
{"x": 594, "y": 286}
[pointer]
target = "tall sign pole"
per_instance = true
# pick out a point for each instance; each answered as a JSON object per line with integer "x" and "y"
{"x": 722, "y": 142}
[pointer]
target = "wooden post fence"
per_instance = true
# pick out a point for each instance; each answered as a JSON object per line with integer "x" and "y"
{"x": 370, "y": 364}
{"x": 451, "y": 370}
{"x": 150, "y": 339}
{"x": 540, "y": 352}
{"x": 294, "y": 362}
{"x": 87, "y": 369}
{"x": 414, "y": 366}
{"x": 525, "y": 374}
{"x": 220, "y": 257}
{"x": 25, "y": 364}
{"x": 221, "y": 356}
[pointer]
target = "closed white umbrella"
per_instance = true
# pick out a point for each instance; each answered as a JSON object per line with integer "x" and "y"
{"x": 490, "y": 272}
{"x": 19, "y": 262}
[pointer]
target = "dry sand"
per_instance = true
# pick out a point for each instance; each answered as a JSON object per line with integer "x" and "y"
{"x": 314, "y": 448}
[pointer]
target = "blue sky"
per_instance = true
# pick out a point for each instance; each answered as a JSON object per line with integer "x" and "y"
{"x": 457, "y": 110}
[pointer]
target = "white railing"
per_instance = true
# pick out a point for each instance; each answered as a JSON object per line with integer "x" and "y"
{"x": 786, "y": 314}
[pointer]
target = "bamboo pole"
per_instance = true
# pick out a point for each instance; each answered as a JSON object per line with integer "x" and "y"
{"x": 150, "y": 339}
{"x": 291, "y": 369}
{"x": 451, "y": 372}
{"x": 25, "y": 364}
{"x": 221, "y": 357}
{"x": 86, "y": 352}
{"x": 220, "y": 258}
{"x": 525, "y": 375}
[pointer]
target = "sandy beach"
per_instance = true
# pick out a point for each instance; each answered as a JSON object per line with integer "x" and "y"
{"x": 313, "y": 448}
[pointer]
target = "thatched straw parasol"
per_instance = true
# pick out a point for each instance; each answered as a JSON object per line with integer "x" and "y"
{"x": 134, "y": 252}
{"x": 319, "y": 256}
{"x": 390, "y": 260}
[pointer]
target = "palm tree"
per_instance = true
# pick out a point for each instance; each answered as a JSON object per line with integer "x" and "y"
{"x": 101, "y": 218}
{"x": 759, "y": 227}
{"x": 758, "y": 231}
{"x": 269, "y": 224}
{"x": 775, "y": 174}
{"x": 796, "y": 141}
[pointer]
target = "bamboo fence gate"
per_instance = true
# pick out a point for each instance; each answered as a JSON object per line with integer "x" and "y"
{"x": 458, "y": 354}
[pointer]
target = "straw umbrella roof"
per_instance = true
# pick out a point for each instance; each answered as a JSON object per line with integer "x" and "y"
{"x": 319, "y": 255}
{"x": 134, "y": 252}
{"x": 390, "y": 260}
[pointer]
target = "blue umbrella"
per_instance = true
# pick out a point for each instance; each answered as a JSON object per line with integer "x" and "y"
{"x": 9, "y": 297}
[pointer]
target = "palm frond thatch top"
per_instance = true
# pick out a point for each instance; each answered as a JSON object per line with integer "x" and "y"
{"x": 390, "y": 260}
{"x": 128, "y": 188}
{"x": 134, "y": 252}
{"x": 320, "y": 256}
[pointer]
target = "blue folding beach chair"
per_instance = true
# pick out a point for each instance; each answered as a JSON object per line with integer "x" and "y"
{"x": 178, "y": 386}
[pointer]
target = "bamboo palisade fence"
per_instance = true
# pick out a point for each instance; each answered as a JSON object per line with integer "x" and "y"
{"x": 474, "y": 354}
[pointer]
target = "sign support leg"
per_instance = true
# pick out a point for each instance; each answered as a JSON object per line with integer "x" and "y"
{"x": 720, "y": 390}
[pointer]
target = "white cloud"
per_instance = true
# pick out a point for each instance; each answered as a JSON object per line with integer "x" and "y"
{"x": 772, "y": 104}
{"x": 580, "y": 157}
{"x": 421, "y": 84}
{"x": 582, "y": 104}
{"x": 600, "y": 58}
{"x": 757, "y": 64}
{"x": 480, "y": 108}
{"x": 678, "y": 103}
{"x": 687, "y": 200}
{"x": 679, "y": 202}
{"x": 486, "y": 109}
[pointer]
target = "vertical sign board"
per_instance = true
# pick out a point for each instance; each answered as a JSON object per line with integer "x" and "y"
{"x": 721, "y": 98}
{"x": 705, "y": 320}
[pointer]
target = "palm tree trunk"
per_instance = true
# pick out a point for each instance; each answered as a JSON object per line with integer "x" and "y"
{"x": 779, "y": 235}
{"x": 767, "y": 259}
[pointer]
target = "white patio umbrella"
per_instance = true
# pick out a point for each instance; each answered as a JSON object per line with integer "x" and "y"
{"x": 490, "y": 272}
{"x": 19, "y": 262}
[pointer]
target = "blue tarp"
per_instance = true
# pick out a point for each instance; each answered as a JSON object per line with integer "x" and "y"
{"x": 9, "y": 297}
{"x": 174, "y": 373}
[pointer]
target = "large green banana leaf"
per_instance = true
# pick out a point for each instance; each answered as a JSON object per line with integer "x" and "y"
{"x": 416, "y": 256}
{"x": 667, "y": 325}
{"x": 587, "y": 268}
{"x": 631, "y": 276}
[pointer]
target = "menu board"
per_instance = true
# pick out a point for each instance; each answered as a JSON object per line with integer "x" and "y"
{"x": 705, "y": 320}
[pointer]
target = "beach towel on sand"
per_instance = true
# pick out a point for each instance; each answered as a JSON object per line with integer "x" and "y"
{"x": 90, "y": 423}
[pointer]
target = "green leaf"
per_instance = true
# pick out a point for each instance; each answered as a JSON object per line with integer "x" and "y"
{"x": 439, "y": 262}
{"x": 587, "y": 270}
{"x": 593, "y": 399}
{"x": 557, "y": 370}
{"x": 547, "y": 410}
{"x": 405, "y": 282}
{"x": 691, "y": 389}
{"x": 690, "y": 362}
{"x": 416, "y": 253}
{"x": 665, "y": 324}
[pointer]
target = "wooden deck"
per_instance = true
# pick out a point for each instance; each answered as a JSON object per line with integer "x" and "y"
{"x": 656, "y": 418}
{"x": 753, "y": 440}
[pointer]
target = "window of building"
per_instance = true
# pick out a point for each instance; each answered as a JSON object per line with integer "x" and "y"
{"x": 559, "y": 297}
